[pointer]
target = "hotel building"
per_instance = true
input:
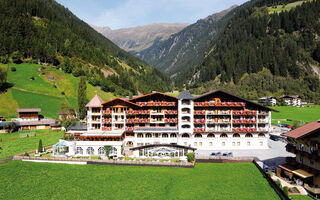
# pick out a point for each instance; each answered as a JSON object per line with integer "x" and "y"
{"x": 216, "y": 120}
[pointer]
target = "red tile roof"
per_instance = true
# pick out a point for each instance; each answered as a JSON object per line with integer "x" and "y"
{"x": 22, "y": 110}
{"x": 305, "y": 130}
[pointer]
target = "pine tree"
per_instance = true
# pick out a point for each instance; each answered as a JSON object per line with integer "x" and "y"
{"x": 82, "y": 99}
{"x": 40, "y": 147}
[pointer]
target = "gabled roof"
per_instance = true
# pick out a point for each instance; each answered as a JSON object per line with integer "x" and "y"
{"x": 305, "y": 130}
{"x": 121, "y": 100}
{"x": 185, "y": 95}
{"x": 22, "y": 110}
{"x": 150, "y": 94}
{"x": 241, "y": 99}
{"x": 96, "y": 101}
{"x": 291, "y": 96}
{"x": 77, "y": 127}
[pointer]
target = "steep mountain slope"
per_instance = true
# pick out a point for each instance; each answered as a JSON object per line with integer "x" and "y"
{"x": 139, "y": 38}
{"x": 185, "y": 48}
{"x": 285, "y": 43}
{"x": 44, "y": 31}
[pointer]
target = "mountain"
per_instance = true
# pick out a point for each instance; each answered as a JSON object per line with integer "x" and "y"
{"x": 266, "y": 48}
{"x": 139, "y": 38}
{"x": 185, "y": 48}
{"x": 43, "y": 31}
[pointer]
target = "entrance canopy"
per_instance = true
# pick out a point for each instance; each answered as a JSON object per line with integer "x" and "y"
{"x": 163, "y": 150}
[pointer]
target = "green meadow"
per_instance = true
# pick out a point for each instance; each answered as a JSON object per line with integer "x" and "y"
{"x": 45, "y": 87}
{"x": 23, "y": 141}
{"x": 287, "y": 7}
{"x": 26, "y": 180}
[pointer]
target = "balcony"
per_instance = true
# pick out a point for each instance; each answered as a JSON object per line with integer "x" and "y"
{"x": 220, "y": 112}
{"x": 107, "y": 128}
{"x": 130, "y": 112}
{"x": 142, "y": 112}
{"x": 129, "y": 128}
{"x": 130, "y": 121}
{"x": 171, "y": 112}
{"x": 157, "y": 121}
{"x": 200, "y": 112}
{"x": 263, "y": 113}
{"x": 154, "y": 112}
{"x": 156, "y": 103}
{"x": 220, "y": 121}
{"x": 244, "y": 121}
{"x": 199, "y": 121}
{"x": 263, "y": 121}
{"x": 107, "y": 120}
{"x": 106, "y": 112}
{"x": 199, "y": 130}
{"x": 118, "y": 121}
{"x": 243, "y": 112}
{"x": 175, "y": 120}
{"x": 220, "y": 104}
{"x": 136, "y": 121}
{"x": 244, "y": 130}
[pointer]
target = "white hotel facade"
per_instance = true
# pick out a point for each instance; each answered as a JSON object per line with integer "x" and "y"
{"x": 160, "y": 124}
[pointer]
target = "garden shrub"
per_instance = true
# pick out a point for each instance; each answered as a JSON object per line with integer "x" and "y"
{"x": 26, "y": 154}
{"x": 40, "y": 147}
{"x": 13, "y": 69}
{"x": 285, "y": 190}
{"x": 190, "y": 156}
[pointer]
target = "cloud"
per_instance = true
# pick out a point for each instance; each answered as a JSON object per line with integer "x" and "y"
{"x": 131, "y": 13}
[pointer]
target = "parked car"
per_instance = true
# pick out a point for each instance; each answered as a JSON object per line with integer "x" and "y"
{"x": 225, "y": 154}
{"x": 274, "y": 138}
{"x": 213, "y": 154}
{"x": 230, "y": 154}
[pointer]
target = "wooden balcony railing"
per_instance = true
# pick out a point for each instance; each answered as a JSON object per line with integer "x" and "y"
{"x": 156, "y": 103}
{"x": 200, "y": 112}
{"x": 199, "y": 121}
{"x": 171, "y": 112}
{"x": 226, "y": 104}
{"x": 244, "y": 112}
{"x": 244, "y": 130}
{"x": 199, "y": 130}
{"x": 244, "y": 121}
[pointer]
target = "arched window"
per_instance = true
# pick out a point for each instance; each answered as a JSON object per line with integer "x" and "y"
{"x": 164, "y": 135}
{"x": 185, "y": 126}
{"x": 261, "y": 135}
{"x": 113, "y": 151}
{"x": 129, "y": 144}
{"x": 79, "y": 150}
{"x": 90, "y": 151}
{"x": 185, "y": 102}
{"x": 173, "y": 135}
{"x": 236, "y": 135}
{"x": 248, "y": 135}
{"x": 185, "y": 135}
{"x": 223, "y": 135}
{"x": 198, "y": 135}
{"x": 185, "y": 110}
{"x": 140, "y": 135}
{"x": 186, "y": 119}
{"x": 148, "y": 135}
{"x": 211, "y": 135}
{"x": 101, "y": 151}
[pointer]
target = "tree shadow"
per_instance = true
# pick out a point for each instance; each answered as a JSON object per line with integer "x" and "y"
{"x": 4, "y": 88}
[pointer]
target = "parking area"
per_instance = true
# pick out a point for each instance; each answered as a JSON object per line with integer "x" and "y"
{"x": 273, "y": 156}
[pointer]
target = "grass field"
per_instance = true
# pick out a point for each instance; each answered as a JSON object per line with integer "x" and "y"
{"x": 24, "y": 180}
{"x": 306, "y": 114}
{"x": 300, "y": 197}
{"x": 18, "y": 142}
{"x": 287, "y": 7}
{"x": 42, "y": 92}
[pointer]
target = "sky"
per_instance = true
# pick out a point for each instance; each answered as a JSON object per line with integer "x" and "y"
{"x": 130, "y": 13}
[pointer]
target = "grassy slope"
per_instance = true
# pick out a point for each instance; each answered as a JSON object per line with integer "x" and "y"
{"x": 15, "y": 143}
{"x": 205, "y": 181}
{"x": 41, "y": 92}
{"x": 300, "y": 197}
{"x": 306, "y": 114}
{"x": 281, "y": 8}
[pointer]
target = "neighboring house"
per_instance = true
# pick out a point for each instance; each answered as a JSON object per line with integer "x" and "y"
{"x": 292, "y": 100}
{"x": 268, "y": 101}
{"x": 64, "y": 115}
{"x": 161, "y": 124}
{"x": 304, "y": 168}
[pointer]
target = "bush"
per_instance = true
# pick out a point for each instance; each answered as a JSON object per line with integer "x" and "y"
{"x": 190, "y": 157}
{"x": 32, "y": 78}
{"x": 13, "y": 69}
{"x": 62, "y": 93}
{"x": 285, "y": 190}
{"x": 26, "y": 154}
{"x": 40, "y": 147}
{"x": 278, "y": 182}
{"x": 11, "y": 127}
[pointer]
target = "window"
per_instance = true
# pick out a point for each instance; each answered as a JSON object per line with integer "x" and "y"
{"x": 195, "y": 144}
{"x": 185, "y": 135}
{"x": 90, "y": 151}
{"x": 139, "y": 144}
{"x": 210, "y": 144}
{"x": 238, "y": 144}
{"x": 148, "y": 135}
{"x": 185, "y": 126}
{"x": 185, "y": 143}
{"x": 236, "y": 135}
{"x": 79, "y": 150}
{"x": 173, "y": 135}
{"x": 261, "y": 135}
{"x": 223, "y": 144}
{"x": 113, "y": 151}
{"x": 223, "y": 135}
{"x": 248, "y": 135}
{"x": 185, "y": 102}
{"x": 261, "y": 143}
{"x": 101, "y": 151}
{"x": 198, "y": 135}
{"x": 164, "y": 135}
{"x": 233, "y": 144}
{"x": 140, "y": 135}
{"x": 248, "y": 144}
{"x": 211, "y": 135}
{"x": 200, "y": 144}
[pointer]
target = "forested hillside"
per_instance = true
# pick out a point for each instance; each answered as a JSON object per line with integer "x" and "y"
{"x": 42, "y": 31}
{"x": 187, "y": 47}
{"x": 285, "y": 43}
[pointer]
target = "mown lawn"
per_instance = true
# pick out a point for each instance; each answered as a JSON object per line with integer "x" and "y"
{"x": 14, "y": 143}
{"x": 306, "y": 114}
{"x": 300, "y": 197}
{"x": 26, "y": 180}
